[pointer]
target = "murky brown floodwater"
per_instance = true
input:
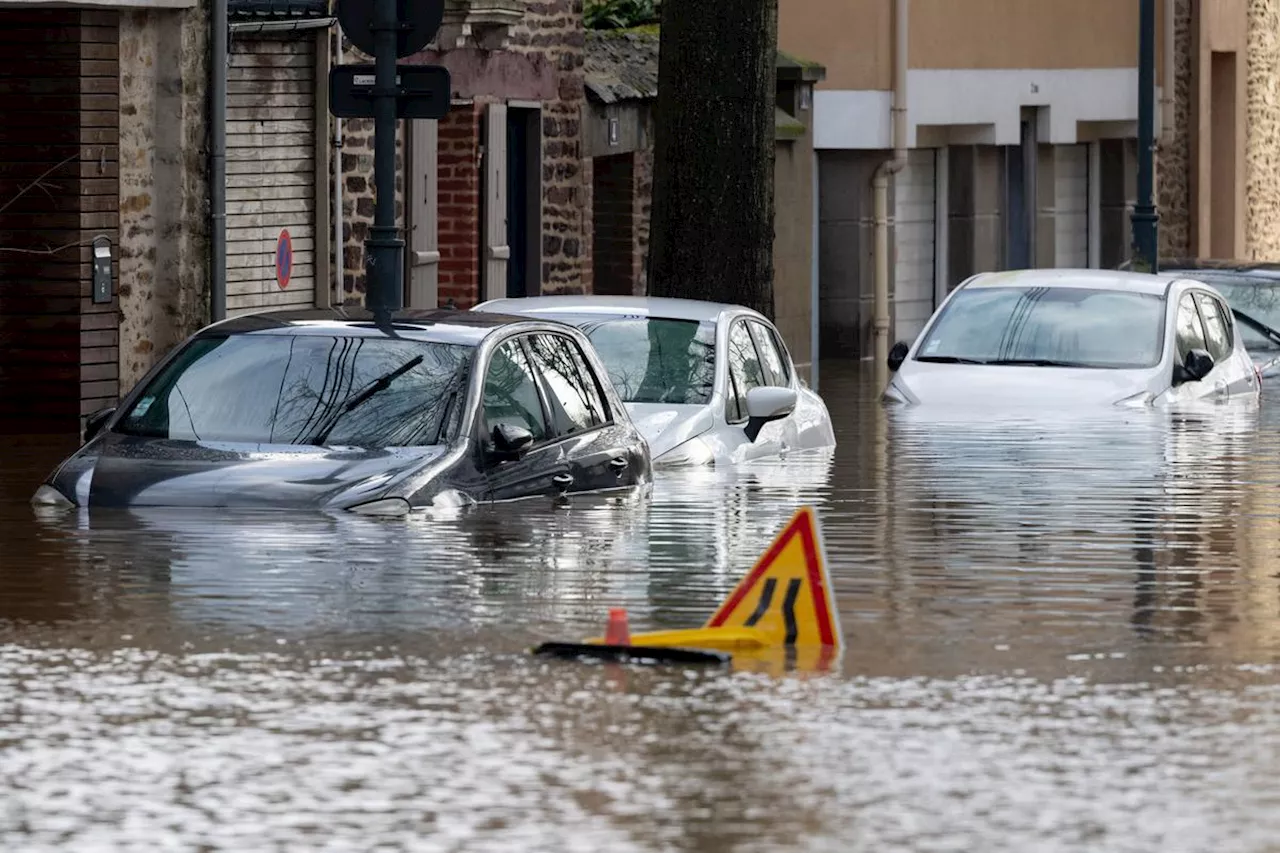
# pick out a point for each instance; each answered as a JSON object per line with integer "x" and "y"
{"x": 1063, "y": 634}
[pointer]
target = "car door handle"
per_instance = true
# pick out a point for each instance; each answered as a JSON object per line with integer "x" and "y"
{"x": 618, "y": 464}
{"x": 564, "y": 481}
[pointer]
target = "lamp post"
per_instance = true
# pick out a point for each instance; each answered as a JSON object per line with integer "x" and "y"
{"x": 1145, "y": 219}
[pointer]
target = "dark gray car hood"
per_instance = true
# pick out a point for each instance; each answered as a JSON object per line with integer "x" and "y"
{"x": 119, "y": 470}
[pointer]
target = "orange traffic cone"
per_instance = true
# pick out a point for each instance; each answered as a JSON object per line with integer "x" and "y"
{"x": 617, "y": 633}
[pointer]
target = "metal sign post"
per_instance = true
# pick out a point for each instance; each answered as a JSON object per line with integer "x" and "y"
{"x": 388, "y": 29}
{"x": 1145, "y": 219}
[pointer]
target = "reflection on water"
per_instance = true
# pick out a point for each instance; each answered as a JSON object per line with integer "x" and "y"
{"x": 1061, "y": 634}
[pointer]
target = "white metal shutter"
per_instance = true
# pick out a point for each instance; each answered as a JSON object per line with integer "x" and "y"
{"x": 915, "y": 219}
{"x": 497, "y": 251}
{"x": 423, "y": 257}
{"x": 1071, "y": 203}
{"x": 271, "y": 180}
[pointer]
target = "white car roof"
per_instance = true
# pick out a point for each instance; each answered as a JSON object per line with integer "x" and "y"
{"x": 644, "y": 306}
{"x": 1131, "y": 282}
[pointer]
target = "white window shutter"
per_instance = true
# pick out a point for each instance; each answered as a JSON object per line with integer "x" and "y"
{"x": 496, "y": 250}
{"x": 423, "y": 261}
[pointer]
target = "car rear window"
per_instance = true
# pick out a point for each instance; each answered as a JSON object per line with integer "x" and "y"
{"x": 303, "y": 389}
{"x": 1071, "y": 326}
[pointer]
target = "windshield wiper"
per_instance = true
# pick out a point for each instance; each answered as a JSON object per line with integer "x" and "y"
{"x": 1258, "y": 326}
{"x": 1039, "y": 362}
{"x": 950, "y": 359}
{"x": 379, "y": 384}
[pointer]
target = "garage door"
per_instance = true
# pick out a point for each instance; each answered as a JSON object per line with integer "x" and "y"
{"x": 1071, "y": 195}
{"x": 271, "y": 149}
{"x": 914, "y": 213}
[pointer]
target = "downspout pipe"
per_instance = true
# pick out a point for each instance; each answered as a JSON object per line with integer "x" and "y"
{"x": 339, "y": 256}
{"x": 880, "y": 189}
{"x": 218, "y": 164}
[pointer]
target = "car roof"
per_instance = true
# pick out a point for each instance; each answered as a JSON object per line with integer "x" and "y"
{"x": 1243, "y": 271}
{"x": 1129, "y": 282}
{"x": 644, "y": 306}
{"x": 443, "y": 325}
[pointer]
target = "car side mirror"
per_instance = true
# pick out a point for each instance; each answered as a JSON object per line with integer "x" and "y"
{"x": 510, "y": 441}
{"x": 769, "y": 403}
{"x": 95, "y": 422}
{"x": 1196, "y": 366}
{"x": 898, "y": 354}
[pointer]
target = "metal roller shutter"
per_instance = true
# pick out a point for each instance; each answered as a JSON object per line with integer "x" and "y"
{"x": 1071, "y": 194}
{"x": 914, "y": 214}
{"x": 271, "y": 151}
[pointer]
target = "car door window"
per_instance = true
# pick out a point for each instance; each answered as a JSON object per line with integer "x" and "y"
{"x": 1216, "y": 327}
{"x": 1190, "y": 330}
{"x": 575, "y": 401}
{"x": 511, "y": 392}
{"x": 745, "y": 371}
{"x": 772, "y": 356}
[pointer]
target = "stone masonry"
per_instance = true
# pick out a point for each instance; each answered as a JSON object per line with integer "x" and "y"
{"x": 1262, "y": 142}
{"x": 549, "y": 43}
{"x": 164, "y": 237}
{"x": 1173, "y": 165}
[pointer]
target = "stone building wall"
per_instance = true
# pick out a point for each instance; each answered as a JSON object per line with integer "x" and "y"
{"x": 357, "y": 192}
{"x": 1173, "y": 167}
{"x": 554, "y": 29}
{"x": 1262, "y": 141}
{"x": 164, "y": 233}
{"x": 543, "y": 62}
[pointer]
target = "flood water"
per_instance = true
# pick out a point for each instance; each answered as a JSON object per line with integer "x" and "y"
{"x": 1063, "y": 634}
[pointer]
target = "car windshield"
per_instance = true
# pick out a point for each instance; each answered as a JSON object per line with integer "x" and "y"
{"x": 304, "y": 389}
{"x": 655, "y": 360}
{"x": 1049, "y": 326}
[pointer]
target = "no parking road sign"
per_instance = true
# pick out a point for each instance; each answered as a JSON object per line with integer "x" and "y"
{"x": 284, "y": 259}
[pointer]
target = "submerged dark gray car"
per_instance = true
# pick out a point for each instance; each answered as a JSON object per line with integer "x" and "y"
{"x": 332, "y": 409}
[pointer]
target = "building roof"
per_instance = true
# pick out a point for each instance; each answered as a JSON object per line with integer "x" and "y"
{"x": 276, "y": 10}
{"x": 622, "y": 65}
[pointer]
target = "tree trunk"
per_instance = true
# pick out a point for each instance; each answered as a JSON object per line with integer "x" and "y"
{"x": 712, "y": 220}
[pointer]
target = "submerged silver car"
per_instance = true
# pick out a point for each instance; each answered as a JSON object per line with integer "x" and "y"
{"x": 1075, "y": 337}
{"x": 706, "y": 383}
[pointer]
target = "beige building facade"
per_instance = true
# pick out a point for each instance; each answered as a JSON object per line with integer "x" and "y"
{"x": 1018, "y": 141}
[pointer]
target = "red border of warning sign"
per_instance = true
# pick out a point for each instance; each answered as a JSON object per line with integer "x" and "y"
{"x": 805, "y": 524}
{"x": 284, "y": 242}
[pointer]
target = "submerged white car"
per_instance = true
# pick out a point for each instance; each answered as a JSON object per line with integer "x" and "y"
{"x": 1075, "y": 337}
{"x": 705, "y": 382}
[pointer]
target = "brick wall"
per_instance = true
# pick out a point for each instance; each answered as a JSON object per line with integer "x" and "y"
{"x": 554, "y": 29}
{"x": 458, "y": 203}
{"x": 551, "y": 38}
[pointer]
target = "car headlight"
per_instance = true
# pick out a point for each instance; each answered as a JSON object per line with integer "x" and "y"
{"x": 695, "y": 451}
{"x": 48, "y": 496}
{"x": 383, "y": 507}
{"x": 896, "y": 392}
{"x": 1137, "y": 401}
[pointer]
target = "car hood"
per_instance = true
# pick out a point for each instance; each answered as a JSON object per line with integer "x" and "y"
{"x": 1011, "y": 385}
{"x": 666, "y": 426}
{"x": 116, "y": 471}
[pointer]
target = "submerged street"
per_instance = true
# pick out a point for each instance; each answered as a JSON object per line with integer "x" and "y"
{"x": 1062, "y": 629}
